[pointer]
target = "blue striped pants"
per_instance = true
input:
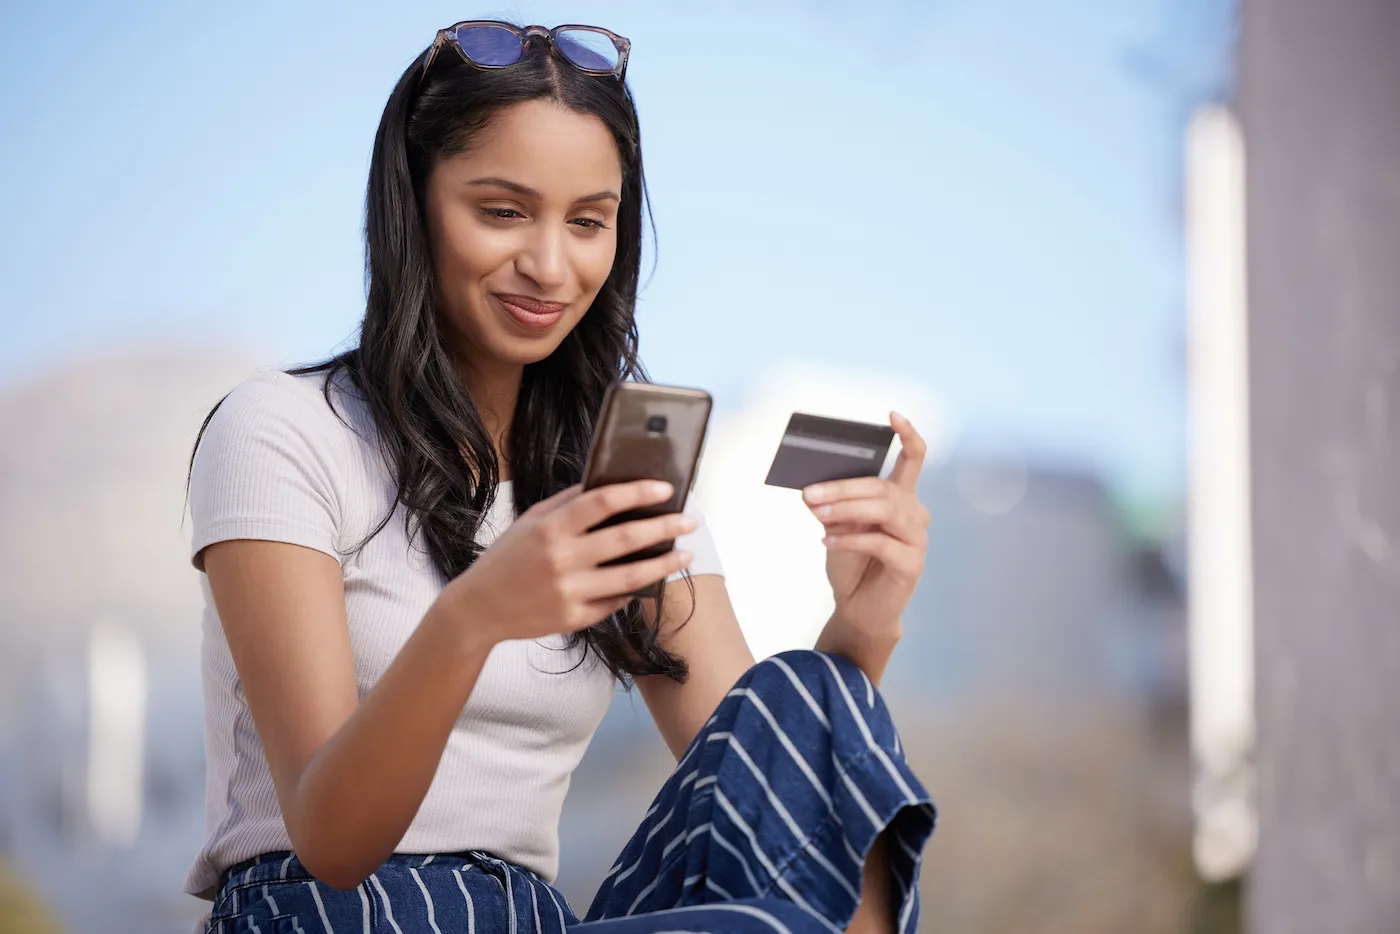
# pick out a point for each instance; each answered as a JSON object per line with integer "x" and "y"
{"x": 763, "y": 826}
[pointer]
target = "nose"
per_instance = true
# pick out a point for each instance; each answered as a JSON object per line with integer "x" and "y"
{"x": 544, "y": 260}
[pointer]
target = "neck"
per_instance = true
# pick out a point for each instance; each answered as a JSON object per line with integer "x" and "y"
{"x": 494, "y": 388}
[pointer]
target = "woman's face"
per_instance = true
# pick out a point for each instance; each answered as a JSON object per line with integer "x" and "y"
{"x": 523, "y": 229}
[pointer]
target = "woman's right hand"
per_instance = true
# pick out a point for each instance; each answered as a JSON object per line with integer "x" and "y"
{"x": 541, "y": 576}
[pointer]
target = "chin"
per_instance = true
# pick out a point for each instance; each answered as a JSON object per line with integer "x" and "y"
{"x": 473, "y": 340}
{"x": 523, "y": 350}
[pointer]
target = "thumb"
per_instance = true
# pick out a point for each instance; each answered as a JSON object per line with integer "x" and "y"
{"x": 911, "y": 454}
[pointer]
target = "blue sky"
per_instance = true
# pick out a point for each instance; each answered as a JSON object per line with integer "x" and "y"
{"x": 979, "y": 193}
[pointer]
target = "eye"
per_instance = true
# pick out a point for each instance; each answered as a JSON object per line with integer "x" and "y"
{"x": 589, "y": 223}
{"x": 501, "y": 213}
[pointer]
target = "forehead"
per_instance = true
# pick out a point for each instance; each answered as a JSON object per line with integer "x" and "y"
{"x": 540, "y": 144}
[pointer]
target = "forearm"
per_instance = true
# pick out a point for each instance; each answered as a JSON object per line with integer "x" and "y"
{"x": 358, "y": 795}
{"x": 869, "y": 650}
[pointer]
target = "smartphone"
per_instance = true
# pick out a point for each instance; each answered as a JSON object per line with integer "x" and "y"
{"x": 648, "y": 432}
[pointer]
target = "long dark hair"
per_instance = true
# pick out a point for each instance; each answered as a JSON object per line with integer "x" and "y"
{"x": 429, "y": 429}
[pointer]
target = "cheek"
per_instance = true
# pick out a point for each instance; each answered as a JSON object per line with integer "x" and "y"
{"x": 597, "y": 262}
{"x": 467, "y": 251}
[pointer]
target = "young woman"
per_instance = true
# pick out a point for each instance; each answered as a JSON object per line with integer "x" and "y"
{"x": 409, "y": 640}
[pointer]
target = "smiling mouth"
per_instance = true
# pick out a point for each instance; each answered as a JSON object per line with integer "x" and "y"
{"x": 530, "y": 313}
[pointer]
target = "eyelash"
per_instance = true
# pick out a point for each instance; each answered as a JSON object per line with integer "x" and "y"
{"x": 510, "y": 214}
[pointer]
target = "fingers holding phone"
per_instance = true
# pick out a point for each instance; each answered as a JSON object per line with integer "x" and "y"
{"x": 542, "y": 576}
{"x": 635, "y": 539}
{"x": 624, "y": 557}
{"x": 617, "y": 503}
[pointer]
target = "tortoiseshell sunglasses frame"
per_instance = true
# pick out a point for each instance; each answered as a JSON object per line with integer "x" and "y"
{"x": 448, "y": 37}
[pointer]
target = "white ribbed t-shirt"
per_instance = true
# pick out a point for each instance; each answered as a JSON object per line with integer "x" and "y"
{"x": 277, "y": 464}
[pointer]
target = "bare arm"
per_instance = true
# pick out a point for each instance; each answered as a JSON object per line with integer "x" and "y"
{"x": 711, "y": 641}
{"x": 283, "y": 613}
{"x": 870, "y": 651}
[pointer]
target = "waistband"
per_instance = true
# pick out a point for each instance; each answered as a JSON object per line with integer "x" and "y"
{"x": 297, "y": 871}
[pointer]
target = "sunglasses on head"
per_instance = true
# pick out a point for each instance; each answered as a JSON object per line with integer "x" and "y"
{"x": 488, "y": 43}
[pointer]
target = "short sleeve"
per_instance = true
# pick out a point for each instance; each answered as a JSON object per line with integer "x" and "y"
{"x": 700, "y": 544}
{"x": 266, "y": 469}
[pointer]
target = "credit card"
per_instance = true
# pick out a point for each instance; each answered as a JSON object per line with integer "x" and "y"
{"x": 816, "y": 449}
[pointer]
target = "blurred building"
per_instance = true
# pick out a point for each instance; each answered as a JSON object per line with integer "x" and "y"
{"x": 1034, "y": 589}
{"x": 101, "y": 749}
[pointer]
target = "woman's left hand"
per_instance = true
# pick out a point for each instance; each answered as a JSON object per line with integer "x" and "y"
{"x": 876, "y": 537}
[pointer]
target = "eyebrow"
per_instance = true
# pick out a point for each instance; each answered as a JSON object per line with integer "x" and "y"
{"x": 526, "y": 191}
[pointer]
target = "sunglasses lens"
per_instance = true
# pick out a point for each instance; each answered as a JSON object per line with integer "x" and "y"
{"x": 589, "y": 50}
{"x": 490, "y": 46}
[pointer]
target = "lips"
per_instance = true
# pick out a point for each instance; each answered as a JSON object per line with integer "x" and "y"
{"x": 530, "y": 313}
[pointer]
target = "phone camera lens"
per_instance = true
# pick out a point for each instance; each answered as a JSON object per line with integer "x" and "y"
{"x": 656, "y": 425}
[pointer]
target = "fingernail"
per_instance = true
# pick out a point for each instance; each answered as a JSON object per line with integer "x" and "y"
{"x": 814, "y": 494}
{"x": 823, "y": 511}
{"x": 686, "y": 556}
{"x": 828, "y": 540}
{"x": 661, "y": 488}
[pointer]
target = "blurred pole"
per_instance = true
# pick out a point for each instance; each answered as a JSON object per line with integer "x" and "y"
{"x": 1221, "y": 611}
{"x": 116, "y": 734}
{"x": 1319, "y": 99}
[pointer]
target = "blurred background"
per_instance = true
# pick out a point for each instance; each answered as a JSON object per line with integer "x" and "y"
{"x": 1020, "y": 223}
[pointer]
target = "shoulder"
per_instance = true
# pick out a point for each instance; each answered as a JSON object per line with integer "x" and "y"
{"x": 276, "y": 396}
{"x": 277, "y": 418}
{"x": 315, "y": 410}
{"x": 272, "y": 464}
